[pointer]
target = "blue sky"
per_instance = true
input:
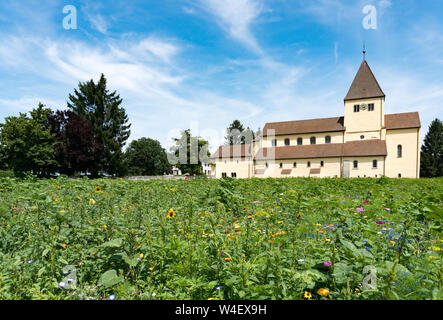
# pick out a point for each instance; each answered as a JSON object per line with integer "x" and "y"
{"x": 202, "y": 63}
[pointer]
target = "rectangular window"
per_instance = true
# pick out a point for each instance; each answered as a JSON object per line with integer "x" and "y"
{"x": 233, "y": 174}
{"x": 355, "y": 164}
{"x": 357, "y": 108}
{"x": 300, "y": 141}
{"x": 274, "y": 142}
{"x": 224, "y": 175}
{"x": 371, "y": 107}
{"x": 287, "y": 142}
{"x": 374, "y": 164}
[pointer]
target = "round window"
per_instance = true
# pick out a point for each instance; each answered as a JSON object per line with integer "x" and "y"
{"x": 362, "y": 137}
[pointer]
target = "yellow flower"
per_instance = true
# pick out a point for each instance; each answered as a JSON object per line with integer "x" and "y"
{"x": 141, "y": 255}
{"x": 307, "y": 295}
{"x": 151, "y": 268}
{"x": 105, "y": 227}
{"x": 91, "y": 202}
{"x": 323, "y": 292}
{"x": 65, "y": 245}
{"x": 392, "y": 242}
{"x": 35, "y": 208}
{"x": 62, "y": 211}
{"x": 227, "y": 259}
{"x": 432, "y": 257}
{"x": 98, "y": 189}
{"x": 171, "y": 213}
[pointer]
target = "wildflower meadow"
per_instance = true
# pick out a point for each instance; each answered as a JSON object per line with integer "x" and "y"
{"x": 294, "y": 238}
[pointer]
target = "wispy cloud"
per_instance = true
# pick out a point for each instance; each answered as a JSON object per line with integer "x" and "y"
{"x": 99, "y": 23}
{"x": 236, "y": 17}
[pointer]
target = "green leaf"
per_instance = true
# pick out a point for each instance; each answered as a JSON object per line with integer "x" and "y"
{"x": 110, "y": 278}
{"x": 115, "y": 243}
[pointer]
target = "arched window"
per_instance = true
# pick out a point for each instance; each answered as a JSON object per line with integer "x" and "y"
{"x": 295, "y": 164}
{"x": 374, "y": 164}
{"x": 309, "y": 163}
{"x": 328, "y": 139}
{"x": 399, "y": 175}
{"x": 300, "y": 141}
{"x": 267, "y": 165}
{"x": 322, "y": 163}
{"x": 399, "y": 151}
{"x": 312, "y": 140}
{"x": 287, "y": 142}
{"x": 281, "y": 165}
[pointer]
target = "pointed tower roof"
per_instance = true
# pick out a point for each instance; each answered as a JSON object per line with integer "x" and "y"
{"x": 364, "y": 85}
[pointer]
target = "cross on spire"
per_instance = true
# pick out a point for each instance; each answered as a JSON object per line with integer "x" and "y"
{"x": 364, "y": 51}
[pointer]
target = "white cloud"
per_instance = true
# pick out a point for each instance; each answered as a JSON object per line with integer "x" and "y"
{"x": 236, "y": 17}
{"x": 100, "y": 23}
{"x": 158, "y": 96}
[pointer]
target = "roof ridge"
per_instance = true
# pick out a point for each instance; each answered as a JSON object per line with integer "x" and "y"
{"x": 304, "y": 120}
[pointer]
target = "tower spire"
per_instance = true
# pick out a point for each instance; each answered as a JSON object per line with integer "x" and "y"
{"x": 364, "y": 51}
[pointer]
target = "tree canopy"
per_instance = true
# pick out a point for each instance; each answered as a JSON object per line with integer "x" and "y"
{"x": 237, "y": 134}
{"x": 146, "y": 157}
{"x": 27, "y": 143}
{"x": 76, "y": 149}
{"x": 189, "y": 152}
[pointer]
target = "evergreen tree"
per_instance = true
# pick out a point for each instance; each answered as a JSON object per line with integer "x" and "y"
{"x": 432, "y": 151}
{"x": 248, "y": 135}
{"x": 108, "y": 119}
{"x": 234, "y": 133}
{"x": 146, "y": 157}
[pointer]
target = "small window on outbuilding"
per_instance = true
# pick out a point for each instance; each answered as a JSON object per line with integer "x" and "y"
{"x": 300, "y": 141}
{"x": 355, "y": 164}
{"x": 287, "y": 142}
{"x": 281, "y": 165}
{"x": 309, "y": 163}
{"x": 374, "y": 164}
{"x": 313, "y": 140}
{"x": 322, "y": 163}
{"x": 295, "y": 164}
{"x": 357, "y": 108}
{"x": 274, "y": 142}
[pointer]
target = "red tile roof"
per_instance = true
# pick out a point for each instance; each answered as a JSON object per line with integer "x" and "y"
{"x": 365, "y": 85}
{"x": 352, "y": 148}
{"x": 402, "y": 120}
{"x": 304, "y": 126}
{"x": 233, "y": 151}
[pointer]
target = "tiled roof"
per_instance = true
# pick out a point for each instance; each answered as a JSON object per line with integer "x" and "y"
{"x": 402, "y": 120}
{"x": 365, "y": 85}
{"x": 304, "y": 126}
{"x": 352, "y": 148}
{"x": 233, "y": 151}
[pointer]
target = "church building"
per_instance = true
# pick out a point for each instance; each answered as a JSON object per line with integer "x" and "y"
{"x": 365, "y": 142}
